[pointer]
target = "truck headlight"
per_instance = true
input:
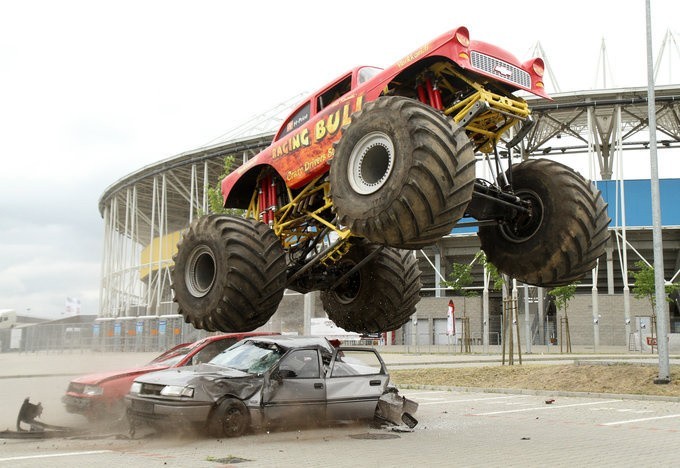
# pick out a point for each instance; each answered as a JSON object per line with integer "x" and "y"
{"x": 93, "y": 390}
{"x": 136, "y": 387}
{"x": 177, "y": 391}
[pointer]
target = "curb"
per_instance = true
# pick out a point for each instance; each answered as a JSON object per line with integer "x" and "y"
{"x": 31, "y": 376}
{"x": 576, "y": 359}
{"x": 521, "y": 391}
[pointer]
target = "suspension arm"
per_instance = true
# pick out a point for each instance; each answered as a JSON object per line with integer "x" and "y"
{"x": 488, "y": 202}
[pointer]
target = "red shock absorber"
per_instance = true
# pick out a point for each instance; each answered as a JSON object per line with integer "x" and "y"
{"x": 260, "y": 202}
{"x": 433, "y": 95}
{"x": 421, "y": 94}
{"x": 272, "y": 199}
{"x": 437, "y": 98}
{"x": 264, "y": 199}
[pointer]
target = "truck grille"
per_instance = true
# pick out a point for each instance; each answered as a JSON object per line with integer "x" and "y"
{"x": 501, "y": 69}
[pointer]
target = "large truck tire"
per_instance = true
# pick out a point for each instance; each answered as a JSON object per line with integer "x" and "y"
{"x": 229, "y": 274}
{"x": 381, "y": 296}
{"x": 402, "y": 174}
{"x": 562, "y": 239}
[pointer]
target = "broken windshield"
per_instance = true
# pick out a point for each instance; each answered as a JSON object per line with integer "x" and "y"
{"x": 251, "y": 357}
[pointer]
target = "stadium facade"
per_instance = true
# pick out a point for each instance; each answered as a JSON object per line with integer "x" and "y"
{"x": 146, "y": 211}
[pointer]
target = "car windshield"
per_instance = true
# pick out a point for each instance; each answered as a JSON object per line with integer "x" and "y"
{"x": 252, "y": 357}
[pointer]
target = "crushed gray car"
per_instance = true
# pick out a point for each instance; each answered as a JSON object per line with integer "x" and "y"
{"x": 270, "y": 380}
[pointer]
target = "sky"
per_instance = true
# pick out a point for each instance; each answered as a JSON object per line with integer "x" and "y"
{"x": 91, "y": 91}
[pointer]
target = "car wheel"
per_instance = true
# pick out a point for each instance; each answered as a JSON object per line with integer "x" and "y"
{"x": 402, "y": 174}
{"x": 229, "y": 419}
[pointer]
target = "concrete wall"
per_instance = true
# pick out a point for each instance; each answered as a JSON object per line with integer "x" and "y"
{"x": 612, "y": 327}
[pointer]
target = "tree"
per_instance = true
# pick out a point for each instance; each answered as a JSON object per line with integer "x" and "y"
{"x": 562, "y": 295}
{"x": 496, "y": 277}
{"x": 644, "y": 286}
{"x": 215, "y": 193}
{"x": 461, "y": 276}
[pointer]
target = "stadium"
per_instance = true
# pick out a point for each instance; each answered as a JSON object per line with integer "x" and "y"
{"x": 146, "y": 211}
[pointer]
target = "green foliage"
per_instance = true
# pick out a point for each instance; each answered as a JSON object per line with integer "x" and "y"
{"x": 644, "y": 287}
{"x": 496, "y": 277}
{"x": 215, "y": 192}
{"x": 460, "y": 278}
{"x": 562, "y": 295}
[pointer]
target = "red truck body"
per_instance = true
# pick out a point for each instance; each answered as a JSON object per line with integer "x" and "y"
{"x": 303, "y": 146}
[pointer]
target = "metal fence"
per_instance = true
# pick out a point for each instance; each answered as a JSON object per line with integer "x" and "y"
{"x": 159, "y": 333}
{"x": 129, "y": 334}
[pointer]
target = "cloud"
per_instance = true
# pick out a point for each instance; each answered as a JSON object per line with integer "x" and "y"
{"x": 42, "y": 284}
{"x": 92, "y": 91}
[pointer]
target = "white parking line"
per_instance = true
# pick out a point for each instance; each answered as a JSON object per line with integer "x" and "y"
{"x": 547, "y": 407}
{"x": 472, "y": 400}
{"x": 623, "y": 410}
{"x": 641, "y": 420}
{"x": 68, "y": 454}
{"x": 631, "y": 410}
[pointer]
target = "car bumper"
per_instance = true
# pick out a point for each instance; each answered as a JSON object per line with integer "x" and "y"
{"x": 77, "y": 405}
{"x": 147, "y": 410}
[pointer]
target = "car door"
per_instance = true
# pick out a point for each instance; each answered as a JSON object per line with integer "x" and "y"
{"x": 356, "y": 379}
{"x": 295, "y": 388}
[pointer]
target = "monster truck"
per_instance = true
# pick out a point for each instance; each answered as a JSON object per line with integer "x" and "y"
{"x": 374, "y": 165}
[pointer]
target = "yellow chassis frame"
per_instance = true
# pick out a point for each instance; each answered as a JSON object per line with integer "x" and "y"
{"x": 498, "y": 115}
{"x": 295, "y": 222}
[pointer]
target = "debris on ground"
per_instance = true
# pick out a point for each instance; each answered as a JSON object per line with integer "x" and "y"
{"x": 396, "y": 409}
{"x": 28, "y": 415}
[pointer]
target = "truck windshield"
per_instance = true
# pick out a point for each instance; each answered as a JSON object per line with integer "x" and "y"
{"x": 366, "y": 73}
{"x": 251, "y": 357}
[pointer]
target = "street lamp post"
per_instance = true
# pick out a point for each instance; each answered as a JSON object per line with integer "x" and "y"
{"x": 660, "y": 289}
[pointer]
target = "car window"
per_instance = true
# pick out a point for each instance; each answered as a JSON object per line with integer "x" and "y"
{"x": 211, "y": 350}
{"x": 355, "y": 362}
{"x": 252, "y": 357}
{"x": 301, "y": 363}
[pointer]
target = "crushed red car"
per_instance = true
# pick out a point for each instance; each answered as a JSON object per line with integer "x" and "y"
{"x": 101, "y": 394}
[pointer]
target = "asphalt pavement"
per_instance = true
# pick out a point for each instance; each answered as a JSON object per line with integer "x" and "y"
{"x": 456, "y": 427}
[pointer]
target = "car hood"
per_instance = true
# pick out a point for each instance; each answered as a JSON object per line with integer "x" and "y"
{"x": 102, "y": 377}
{"x": 210, "y": 382}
